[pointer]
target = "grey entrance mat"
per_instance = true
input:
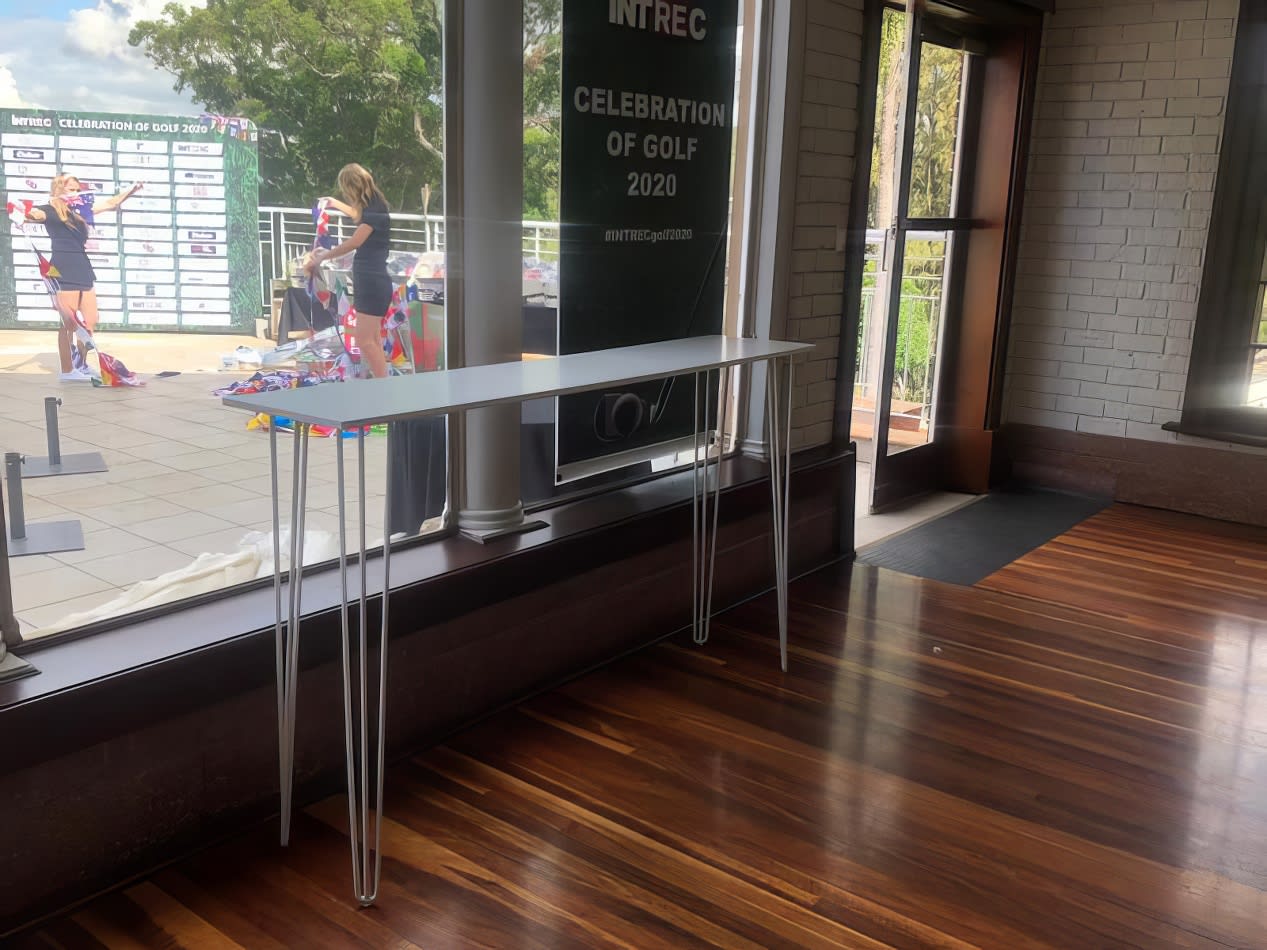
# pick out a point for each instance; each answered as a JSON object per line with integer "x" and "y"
{"x": 971, "y": 543}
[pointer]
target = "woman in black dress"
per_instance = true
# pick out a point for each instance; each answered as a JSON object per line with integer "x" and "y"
{"x": 371, "y": 285}
{"x": 69, "y": 233}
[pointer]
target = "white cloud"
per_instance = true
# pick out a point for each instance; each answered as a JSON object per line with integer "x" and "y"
{"x": 10, "y": 98}
{"x": 94, "y": 76}
{"x": 102, "y": 31}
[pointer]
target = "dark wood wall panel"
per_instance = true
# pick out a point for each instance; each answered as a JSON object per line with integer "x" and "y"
{"x": 84, "y": 820}
{"x": 1204, "y": 480}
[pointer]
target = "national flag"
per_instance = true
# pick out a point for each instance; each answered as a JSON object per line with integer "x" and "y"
{"x": 114, "y": 373}
{"x": 343, "y": 305}
{"x": 395, "y": 349}
{"x": 82, "y": 203}
{"x": 18, "y": 211}
{"x": 48, "y": 271}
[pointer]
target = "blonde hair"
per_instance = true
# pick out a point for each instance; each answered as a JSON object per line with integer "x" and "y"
{"x": 358, "y": 187}
{"x": 56, "y": 191}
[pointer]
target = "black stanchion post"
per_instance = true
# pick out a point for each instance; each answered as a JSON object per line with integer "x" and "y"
{"x": 49, "y": 537}
{"x": 13, "y": 475}
{"x": 11, "y": 667}
{"x": 50, "y": 425}
{"x": 77, "y": 463}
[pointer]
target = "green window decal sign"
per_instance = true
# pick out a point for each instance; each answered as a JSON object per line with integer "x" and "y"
{"x": 181, "y": 254}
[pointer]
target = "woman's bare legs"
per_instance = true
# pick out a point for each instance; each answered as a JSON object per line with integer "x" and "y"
{"x": 63, "y": 347}
{"x": 88, "y": 310}
{"x": 368, "y": 334}
{"x": 71, "y": 302}
{"x": 68, "y": 301}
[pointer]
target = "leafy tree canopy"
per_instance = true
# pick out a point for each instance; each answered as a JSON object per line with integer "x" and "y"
{"x": 543, "y": 114}
{"x": 335, "y": 81}
{"x": 327, "y": 82}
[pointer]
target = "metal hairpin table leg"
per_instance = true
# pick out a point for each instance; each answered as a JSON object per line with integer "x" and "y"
{"x": 704, "y": 521}
{"x": 366, "y": 871}
{"x": 780, "y": 450}
{"x": 278, "y": 635}
{"x": 287, "y": 636}
{"x": 695, "y": 519}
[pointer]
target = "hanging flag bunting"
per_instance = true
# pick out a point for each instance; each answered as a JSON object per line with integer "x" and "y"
{"x": 344, "y": 366}
{"x": 233, "y": 126}
{"x": 114, "y": 373}
{"x": 268, "y": 382}
{"x": 396, "y": 344}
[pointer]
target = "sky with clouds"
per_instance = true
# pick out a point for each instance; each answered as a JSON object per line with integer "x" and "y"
{"x": 74, "y": 55}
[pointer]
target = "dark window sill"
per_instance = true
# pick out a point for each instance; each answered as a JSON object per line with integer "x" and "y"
{"x": 119, "y": 679}
{"x": 1242, "y": 426}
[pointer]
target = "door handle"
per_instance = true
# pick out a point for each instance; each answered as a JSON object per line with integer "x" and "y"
{"x": 886, "y": 252}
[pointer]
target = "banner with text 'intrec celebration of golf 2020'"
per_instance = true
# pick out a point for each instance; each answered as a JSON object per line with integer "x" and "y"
{"x": 648, "y": 103}
{"x": 181, "y": 254}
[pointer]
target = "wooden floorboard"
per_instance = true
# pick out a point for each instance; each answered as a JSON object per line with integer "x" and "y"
{"x": 1071, "y": 754}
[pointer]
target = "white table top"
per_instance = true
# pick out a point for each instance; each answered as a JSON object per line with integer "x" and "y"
{"x": 368, "y": 402}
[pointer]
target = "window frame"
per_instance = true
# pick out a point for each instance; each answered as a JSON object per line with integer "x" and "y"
{"x": 1229, "y": 305}
{"x": 624, "y": 480}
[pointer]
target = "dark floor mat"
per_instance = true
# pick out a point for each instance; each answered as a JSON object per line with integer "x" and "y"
{"x": 971, "y": 543}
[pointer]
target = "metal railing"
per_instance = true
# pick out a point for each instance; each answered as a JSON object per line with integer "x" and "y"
{"x": 286, "y": 234}
{"x": 913, "y": 374}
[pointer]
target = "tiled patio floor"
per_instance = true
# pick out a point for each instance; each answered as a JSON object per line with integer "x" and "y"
{"x": 186, "y": 476}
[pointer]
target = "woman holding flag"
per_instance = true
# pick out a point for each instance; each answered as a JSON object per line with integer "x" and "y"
{"x": 371, "y": 284}
{"x": 67, "y": 218}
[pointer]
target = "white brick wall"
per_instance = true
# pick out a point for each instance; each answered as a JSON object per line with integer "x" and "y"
{"x": 1128, "y": 118}
{"x": 824, "y": 170}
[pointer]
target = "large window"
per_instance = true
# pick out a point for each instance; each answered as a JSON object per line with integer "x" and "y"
{"x": 235, "y": 121}
{"x": 1226, "y": 395}
{"x": 1256, "y": 393}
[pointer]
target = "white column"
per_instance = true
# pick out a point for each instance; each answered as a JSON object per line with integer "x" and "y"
{"x": 775, "y": 118}
{"x": 484, "y": 211}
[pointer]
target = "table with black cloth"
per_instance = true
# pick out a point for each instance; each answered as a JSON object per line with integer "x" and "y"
{"x": 297, "y": 310}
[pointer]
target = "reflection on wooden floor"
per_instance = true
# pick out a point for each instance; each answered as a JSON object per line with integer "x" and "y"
{"x": 1072, "y": 754}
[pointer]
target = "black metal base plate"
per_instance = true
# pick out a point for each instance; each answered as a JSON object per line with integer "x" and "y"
{"x": 81, "y": 463}
{"x": 50, "y": 537}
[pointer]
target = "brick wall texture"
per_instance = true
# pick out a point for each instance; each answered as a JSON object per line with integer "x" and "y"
{"x": 1128, "y": 120}
{"x": 830, "y": 76}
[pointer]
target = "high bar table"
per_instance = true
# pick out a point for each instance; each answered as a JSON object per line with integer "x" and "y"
{"x": 354, "y": 406}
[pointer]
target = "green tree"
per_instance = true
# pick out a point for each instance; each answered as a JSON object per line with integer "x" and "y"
{"x": 890, "y": 78}
{"x": 936, "y": 127}
{"x": 543, "y": 112}
{"x": 936, "y": 117}
{"x": 541, "y": 175}
{"x": 327, "y": 82}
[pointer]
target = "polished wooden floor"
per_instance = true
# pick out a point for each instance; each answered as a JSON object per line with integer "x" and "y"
{"x": 1072, "y": 754}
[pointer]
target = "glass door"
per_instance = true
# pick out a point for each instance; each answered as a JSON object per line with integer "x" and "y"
{"x": 912, "y": 221}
